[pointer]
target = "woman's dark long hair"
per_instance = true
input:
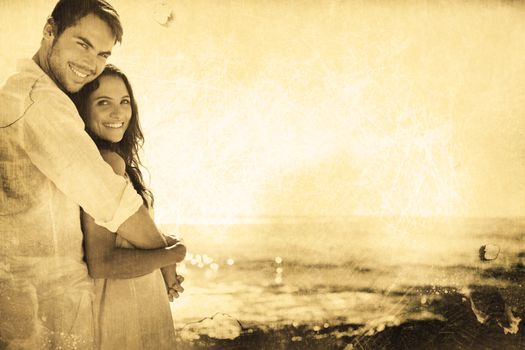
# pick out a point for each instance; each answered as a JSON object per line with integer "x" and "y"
{"x": 133, "y": 139}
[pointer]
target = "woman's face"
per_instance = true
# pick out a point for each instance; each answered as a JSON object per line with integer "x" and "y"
{"x": 109, "y": 109}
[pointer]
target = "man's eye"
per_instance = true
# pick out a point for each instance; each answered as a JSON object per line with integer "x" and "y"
{"x": 84, "y": 45}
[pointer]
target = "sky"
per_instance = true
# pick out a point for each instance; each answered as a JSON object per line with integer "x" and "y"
{"x": 256, "y": 108}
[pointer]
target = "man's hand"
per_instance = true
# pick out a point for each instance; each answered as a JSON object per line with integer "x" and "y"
{"x": 172, "y": 281}
{"x": 172, "y": 239}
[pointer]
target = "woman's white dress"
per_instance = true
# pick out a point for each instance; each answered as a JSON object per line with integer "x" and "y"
{"x": 133, "y": 313}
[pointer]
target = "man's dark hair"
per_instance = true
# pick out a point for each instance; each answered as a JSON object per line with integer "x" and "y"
{"x": 68, "y": 12}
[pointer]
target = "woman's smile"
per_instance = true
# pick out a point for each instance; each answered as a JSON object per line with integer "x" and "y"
{"x": 113, "y": 125}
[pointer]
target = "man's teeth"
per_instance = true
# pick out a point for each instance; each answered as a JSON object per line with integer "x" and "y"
{"x": 77, "y": 72}
{"x": 114, "y": 126}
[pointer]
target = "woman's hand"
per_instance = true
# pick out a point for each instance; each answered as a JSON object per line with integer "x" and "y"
{"x": 176, "y": 289}
{"x": 172, "y": 281}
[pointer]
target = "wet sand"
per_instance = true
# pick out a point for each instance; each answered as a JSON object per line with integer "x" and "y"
{"x": 459, "y": 329}
{"x": 455, "y": 300}
{"x": 478, "y": 318}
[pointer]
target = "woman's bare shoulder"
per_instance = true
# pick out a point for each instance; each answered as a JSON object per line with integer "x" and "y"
{"x": 115, "y": 160}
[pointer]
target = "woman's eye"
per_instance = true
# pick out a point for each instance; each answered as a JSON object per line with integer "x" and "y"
{"x": 84, "y": 45}
{"x": 102, "y": 103}
{"x": 126, "y": 102}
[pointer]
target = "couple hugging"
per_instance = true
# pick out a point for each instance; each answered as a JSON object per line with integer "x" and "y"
{"x": 82, "y": 264}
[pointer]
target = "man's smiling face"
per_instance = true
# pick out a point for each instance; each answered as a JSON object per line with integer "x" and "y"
{"x": 78, "y": 55}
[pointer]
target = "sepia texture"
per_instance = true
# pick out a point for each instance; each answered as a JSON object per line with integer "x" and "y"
{"x": 346, "y": 174}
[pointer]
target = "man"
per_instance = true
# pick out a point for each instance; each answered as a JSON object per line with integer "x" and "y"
{"x": 47, "y": 162}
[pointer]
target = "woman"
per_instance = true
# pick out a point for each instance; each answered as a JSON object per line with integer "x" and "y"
{"x": 132, "y": 308}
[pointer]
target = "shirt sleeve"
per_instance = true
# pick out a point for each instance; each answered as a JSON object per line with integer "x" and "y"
{"x": 56, "y": 143}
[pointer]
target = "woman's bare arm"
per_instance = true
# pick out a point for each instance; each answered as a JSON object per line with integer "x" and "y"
{"x": 104, "y": 260}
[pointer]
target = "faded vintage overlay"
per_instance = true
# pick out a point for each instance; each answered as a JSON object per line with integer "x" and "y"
{"x": 346, "y": 174}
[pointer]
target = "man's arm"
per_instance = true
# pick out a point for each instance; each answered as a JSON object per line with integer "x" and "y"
{"x": 138, "y": 227}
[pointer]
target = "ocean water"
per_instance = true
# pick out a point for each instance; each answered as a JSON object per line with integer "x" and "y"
{"x": 371, "y": 272}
